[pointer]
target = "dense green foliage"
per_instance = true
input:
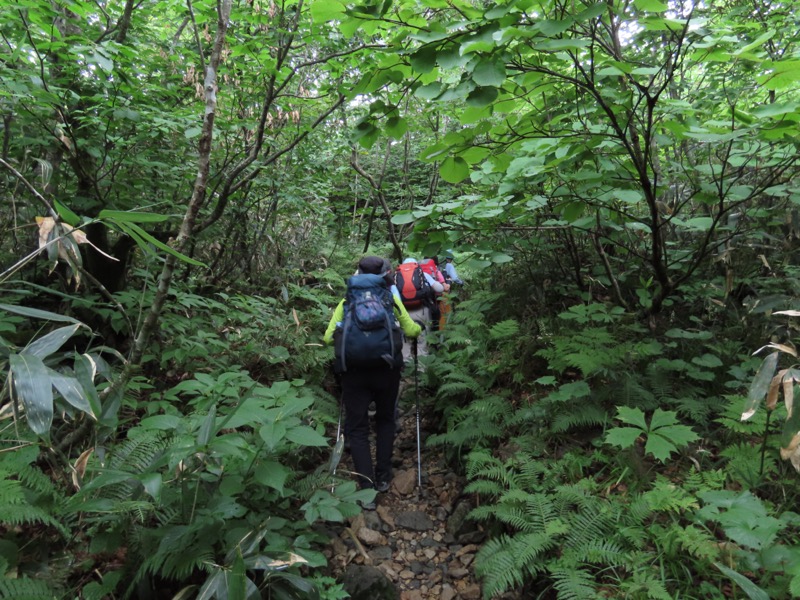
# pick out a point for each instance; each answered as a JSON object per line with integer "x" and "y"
{"x": 187, "y": 185}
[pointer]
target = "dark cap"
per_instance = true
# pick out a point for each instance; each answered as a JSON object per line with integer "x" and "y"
{"x": 374, "y": 265}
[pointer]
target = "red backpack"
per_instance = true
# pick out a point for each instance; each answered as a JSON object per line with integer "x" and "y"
{"x": 429, "y": 267}
{"x": 413, "y": 287}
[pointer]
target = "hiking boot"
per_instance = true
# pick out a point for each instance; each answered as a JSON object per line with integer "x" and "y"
{"x": 382, "y": 486}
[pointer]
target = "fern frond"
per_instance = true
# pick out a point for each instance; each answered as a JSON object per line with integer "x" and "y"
{"x": 541, "y": 510}
{"x": 602, "y": 552}
{"x": 515, "y": 516}
{"x": 573, "y": 584}
{"x": 587, "y": 527}
{"x": 504, "y": 330}
{"x": 579, "y": 415}
{"x": 484, "y": 487}
{"x": 665, "y": 496}
{"x": 26, "y": 589}
{"x": 13, "y": 514}
{"x": 138, "y": 453}
{"x": 15, "y": 508}
{"x": 505, "y": 563}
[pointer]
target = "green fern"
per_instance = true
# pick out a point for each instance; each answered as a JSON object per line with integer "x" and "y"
{"x": 579, "y": 415}
{"x": 26, "y": 589}
{"x": 667, "y": 497}
{"x": 16, "y": 509}
{"x": 574, "y": 583}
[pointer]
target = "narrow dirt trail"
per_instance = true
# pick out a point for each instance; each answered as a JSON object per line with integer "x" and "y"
{"x": 419, "y": 539}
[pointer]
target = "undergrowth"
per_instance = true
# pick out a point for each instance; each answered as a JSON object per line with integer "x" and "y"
{"x": 617, "y": 468}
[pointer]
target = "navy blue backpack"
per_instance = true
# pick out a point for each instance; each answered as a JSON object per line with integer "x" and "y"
{"x": 370, "y": 335}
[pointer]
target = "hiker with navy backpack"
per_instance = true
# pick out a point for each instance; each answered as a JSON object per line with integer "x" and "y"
{"x": 367, "y": 330}
{"x": 418, "y": 294}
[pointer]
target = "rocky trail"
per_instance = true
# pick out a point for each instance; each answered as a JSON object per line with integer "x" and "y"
{"x": 418, "y": 543}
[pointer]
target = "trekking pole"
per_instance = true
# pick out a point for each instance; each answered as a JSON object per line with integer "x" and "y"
{"x": 338, "y": 449}
{"x": 416, "y": 397}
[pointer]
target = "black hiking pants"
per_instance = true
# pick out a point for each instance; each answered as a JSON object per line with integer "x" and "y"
{"x": 359, "y": 388}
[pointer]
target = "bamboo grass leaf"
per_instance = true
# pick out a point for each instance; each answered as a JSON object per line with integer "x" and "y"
{"x": 48, "y": 344}
{"x": 748, "y": 587}
{"x": 774, "y": 390}
{"x": 760, "y": 384}
{"x": 35, "y": 313}
{"x": 34, "y": 388}
{"x": 72, "y": 391}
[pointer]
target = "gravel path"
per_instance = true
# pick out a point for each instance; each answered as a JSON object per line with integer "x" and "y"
{"x": 419, "y": 539}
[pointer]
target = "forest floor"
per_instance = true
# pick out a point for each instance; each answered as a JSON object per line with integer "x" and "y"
{"x": 418, "y": 537}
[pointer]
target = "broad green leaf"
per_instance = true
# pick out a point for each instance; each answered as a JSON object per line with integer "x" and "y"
{"x": 396, "y": 127}
{"x": 336, "y": 455}
{"x": 760, "y": 385}
{"x": 35, "y": 313}
{"x": 214, "y": 587}
{"x": 306, "y": 436}
{"x": 85, "y": 371}
{"x": 632, "y": 416}
{"x": 699, "y": 223}
{"x": 759, "y": 41}
{"x": 562, "y": 44}
{"x": 272, "y": 433}
{"x": 72, "y": 391}
{"x": 33, "y": 388}
{"x": 51, "y": 342}
{"x": 551, "y": 27}
{"x": 161, "y": 422}
{"x": 623, "y": 437}
{"x": 106, "y": 477}
{"x": 430, "y": 91}
{"x": 424, "y": 59}
{"x": 650, "y": 5}
{"x": 662, "y": 418}
{"x": 403, "y": 218}
{"x": 482, "y": 96}
{"x": 628, "y": 196}
{"x": 499, "y": 258}
{"x": 271, "y": 474}
{"x": 489, "y": 73}
{"x": 659, "y": 447}
{"x": 679, "y": 435}
{"x": 152, "y": 484}
{"x": 66, "y": 214}
{"x": 192, "y": 132}
{"x": 329, "y": 10}
{"x": 207, "y": 429}
{"x": 143, "y": 238}
{"x": 454, "y": 169}
{"x": 123, "y": 216}
{"x": 707, "y": 360}
{"x": 236, "y": 579}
